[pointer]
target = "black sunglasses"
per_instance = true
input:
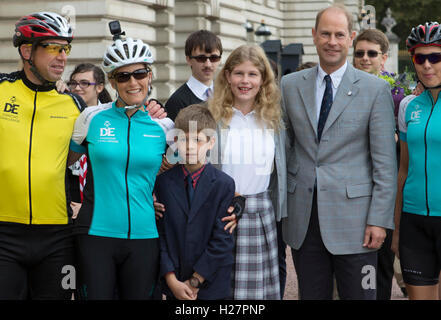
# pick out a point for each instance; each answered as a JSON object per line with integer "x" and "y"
{"x": 203, "y": 59}
{"x": 370, "y": 53}
{"x": 83, "y": 84}
{"x": 125, "y": 76}
{"x": 433, "y": 58}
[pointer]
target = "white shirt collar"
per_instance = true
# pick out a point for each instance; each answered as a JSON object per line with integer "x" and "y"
{"x": 198, "y": 88}
{"x": 336, "y": 76}
{"x": 238, "y": 112}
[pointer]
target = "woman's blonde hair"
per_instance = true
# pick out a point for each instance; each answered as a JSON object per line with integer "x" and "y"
{"x": 267, "y": 101}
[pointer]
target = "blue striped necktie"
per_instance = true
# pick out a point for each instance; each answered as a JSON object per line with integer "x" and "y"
{"x": 208, "y": 93}
{"x": 326, "y": 106}
{"x": 190, "y": 189}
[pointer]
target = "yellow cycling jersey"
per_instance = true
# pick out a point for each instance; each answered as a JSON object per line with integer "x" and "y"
{"x": 36, "y": 125}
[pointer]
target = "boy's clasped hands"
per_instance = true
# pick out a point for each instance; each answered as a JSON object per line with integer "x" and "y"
{"x": 184, "y": 290}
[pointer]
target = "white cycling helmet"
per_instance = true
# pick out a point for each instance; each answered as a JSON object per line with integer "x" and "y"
{"x": 125, "y": 52}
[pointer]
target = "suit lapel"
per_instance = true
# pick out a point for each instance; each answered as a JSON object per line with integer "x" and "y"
{"x": 345, "y": 93}
{"x": 307, "y": 92}
{"x": 203, "y": 189}
{"x": 177, "y": 188}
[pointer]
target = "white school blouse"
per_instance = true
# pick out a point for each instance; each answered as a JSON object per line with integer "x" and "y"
{"x": 248, "y": 155}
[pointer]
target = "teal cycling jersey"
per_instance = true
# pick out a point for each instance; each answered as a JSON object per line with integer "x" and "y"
{"x": 124, "y": 156}
{"x": 419, "y": 121}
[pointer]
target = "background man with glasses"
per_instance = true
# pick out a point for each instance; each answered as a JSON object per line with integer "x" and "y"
{"x": 203, "y": 51}
{"x": 370, "y": 51}
{"x": 371, "y": 48}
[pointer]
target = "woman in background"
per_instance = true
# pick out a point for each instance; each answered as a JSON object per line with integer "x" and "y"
{"x": 88, "y": 81}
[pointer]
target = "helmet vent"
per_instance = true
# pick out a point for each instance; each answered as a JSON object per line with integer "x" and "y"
{"x": 108, "y": 56}
{"x": 142, "y": 51}
{"x": 135, "y": 49}
{"x": 126, "y": 50}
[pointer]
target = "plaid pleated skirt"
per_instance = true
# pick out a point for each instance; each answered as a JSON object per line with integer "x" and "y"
{"x": 256, "y": 269}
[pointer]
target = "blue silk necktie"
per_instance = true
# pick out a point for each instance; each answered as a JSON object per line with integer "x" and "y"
{"x": 326, "y": 106}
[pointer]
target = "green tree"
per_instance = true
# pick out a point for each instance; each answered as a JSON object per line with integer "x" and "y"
{"x": 407, "y": 14}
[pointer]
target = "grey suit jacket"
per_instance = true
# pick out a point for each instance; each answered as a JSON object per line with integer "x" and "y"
{"x": 354, "y": 164}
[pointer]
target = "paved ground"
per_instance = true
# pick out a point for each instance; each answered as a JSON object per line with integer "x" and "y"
{"x": 291, "y": 282}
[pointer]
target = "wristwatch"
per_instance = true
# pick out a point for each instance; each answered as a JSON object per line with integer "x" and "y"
{"x": 195, "y": 282}
{"x": 238, "y": 203}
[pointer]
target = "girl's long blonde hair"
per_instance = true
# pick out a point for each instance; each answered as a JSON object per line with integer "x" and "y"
{"x": 267, "y": 101}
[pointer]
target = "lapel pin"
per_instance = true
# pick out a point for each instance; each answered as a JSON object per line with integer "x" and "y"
{"x": 350, "y": 93}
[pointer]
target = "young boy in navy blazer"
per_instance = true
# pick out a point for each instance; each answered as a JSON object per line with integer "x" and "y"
{"x": 196, "y": 251}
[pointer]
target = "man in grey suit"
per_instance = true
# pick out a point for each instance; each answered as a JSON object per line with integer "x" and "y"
{"x": 341, "y": 166}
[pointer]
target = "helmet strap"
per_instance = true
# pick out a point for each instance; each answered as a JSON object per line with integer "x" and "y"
{"x": 36, "y": 73}
{"x": 127, "y": 106}
{"x": 424, "y": 86}
{"x": 33, "y": 68}
{"x": 428, "y": 88}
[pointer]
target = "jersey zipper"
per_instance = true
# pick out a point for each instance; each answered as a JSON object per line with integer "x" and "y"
{"x": 29, "y": 157}
{"x": 127, "y": 183}
{"x": 425, "y": 158}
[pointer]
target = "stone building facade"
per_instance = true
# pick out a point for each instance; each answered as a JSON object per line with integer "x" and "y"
{"x": 165, "y": 25}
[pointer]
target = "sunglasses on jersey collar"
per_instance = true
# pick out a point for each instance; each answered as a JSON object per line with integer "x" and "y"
{"x": 433, "y": 58}
{"x": 202, "y": 59}
{"x": 125, "y": 76}
{"x": 56, "y": 48}
{"x": 370, "y": 53}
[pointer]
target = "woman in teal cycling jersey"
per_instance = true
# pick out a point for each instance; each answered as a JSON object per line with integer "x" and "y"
{"x": 417, "y": 235}
{"x": 117, "y": 238}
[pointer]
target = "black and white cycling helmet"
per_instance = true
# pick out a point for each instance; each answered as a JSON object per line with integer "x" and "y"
{"x": 124, "y": 52}
{"x": 428, "y": 34}
{"x": 40, "y": 26}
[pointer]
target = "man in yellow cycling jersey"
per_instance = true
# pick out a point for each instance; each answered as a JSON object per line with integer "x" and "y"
{"x": 36, "y": 124}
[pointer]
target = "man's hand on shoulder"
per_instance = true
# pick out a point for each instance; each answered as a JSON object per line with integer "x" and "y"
{"x": 61, "y": 86}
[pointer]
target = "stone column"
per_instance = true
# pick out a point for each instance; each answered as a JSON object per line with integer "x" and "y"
{"x": 164, "y": 71}
{"x": 299, "y": 19}
{"x": 392, "y": 61}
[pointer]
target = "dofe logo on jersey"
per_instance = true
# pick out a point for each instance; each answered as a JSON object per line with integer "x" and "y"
{"x": 416, "y": 114}
{"x": 107, "y": 131}
{"x": 11, "y": 107}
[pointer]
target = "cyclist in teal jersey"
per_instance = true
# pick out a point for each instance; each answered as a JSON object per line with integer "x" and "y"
{"x": 117, "y": 238}
{"x": 417, "y": 235}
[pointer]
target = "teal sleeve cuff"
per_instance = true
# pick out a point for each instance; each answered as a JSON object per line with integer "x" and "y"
{"x": 403, "y": 136}
{"x": 76, "y": 147}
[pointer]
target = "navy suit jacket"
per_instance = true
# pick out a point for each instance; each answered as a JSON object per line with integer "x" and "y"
{"x": 193, "y": 238}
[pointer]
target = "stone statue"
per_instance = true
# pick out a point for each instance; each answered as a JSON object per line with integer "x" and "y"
{"x": 389, "y": 22}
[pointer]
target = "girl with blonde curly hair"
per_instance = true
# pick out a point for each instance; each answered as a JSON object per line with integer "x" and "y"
{"x": 265, "y": 103}
{"x": 246, "y": 106}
